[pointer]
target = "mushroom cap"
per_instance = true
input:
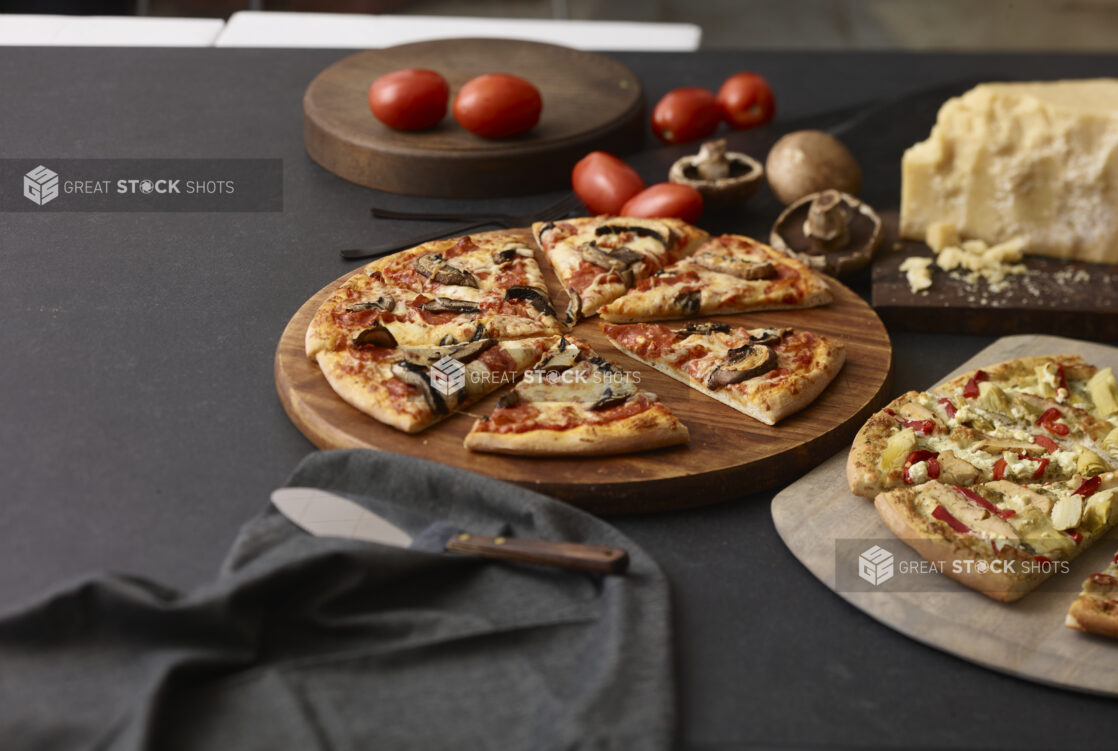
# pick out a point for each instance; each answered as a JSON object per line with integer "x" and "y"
{"x": 864, "y": 226}
{"x": 810, "y": 161}
{"x": 744, "y": 178}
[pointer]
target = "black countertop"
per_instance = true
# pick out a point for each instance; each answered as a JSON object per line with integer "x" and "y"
{"x": 139, "y": 425}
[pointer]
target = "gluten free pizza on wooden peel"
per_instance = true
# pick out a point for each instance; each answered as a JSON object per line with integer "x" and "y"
{"x": 1011, "y": 467}
{"x": 412, "y": 338}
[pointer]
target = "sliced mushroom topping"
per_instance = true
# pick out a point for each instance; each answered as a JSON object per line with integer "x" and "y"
{"x": 689, "y": 302}
{"x": 479, "y": 333}
{"x": 639, "y": 231}
{"x": 742, "y": 364}
{"x": 742, "y": 268}
{"x": 511, "y": 399}
{"x": 464, "y": 352}
{"x": 565, "y": 355}
{"x": 416, "y": 376}
{"x": 613, "y": 395}
{"x": 434, "y": 267}
{"x": 611, "y": 259}
{"x": 447, "y": 340}
{"x": 533, "y": 296}
{"x": 450, "y": 305}
{"x": 375, "y": 336}
{"x": 704, "y": 329}
{"x": 384, "y": 302}
{"x": 605, "y": 365}
{"x": 767, "y": 336}
{"x": 574, "y": 306}
{"x": 506, "y": 255}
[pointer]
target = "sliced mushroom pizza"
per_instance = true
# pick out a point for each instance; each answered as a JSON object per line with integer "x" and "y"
{"x": 575, "y": 402}
{"x": 727, "y": 274}
{"x": 766, "y": 373}
{"x": 598, "y": 259}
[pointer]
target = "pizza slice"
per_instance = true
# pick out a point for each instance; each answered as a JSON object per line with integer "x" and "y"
{"x": 727, "y": 274}
{"x": 411, "y": 388}
{"x": 989, "y": 424}
{"x": 496, "y": 272}
{"x": 574, "y": 402}
{"x": 1001, "y": 538}
{"x": 1095, "y": 610}
{"x": 766, "y": 373}
{"x": 367, "y": 311}
{"x": 597, "y": 259}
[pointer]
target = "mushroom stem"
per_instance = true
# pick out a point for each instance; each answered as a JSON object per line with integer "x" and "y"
{"x": 711, "y": 163}
{"x": 826, "y": 220}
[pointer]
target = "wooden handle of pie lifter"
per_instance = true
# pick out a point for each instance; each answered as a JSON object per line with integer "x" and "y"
{"x": 598, "y": 559}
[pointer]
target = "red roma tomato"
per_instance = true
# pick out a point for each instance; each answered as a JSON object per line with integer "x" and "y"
{"x": 604, "y": 183}
{"x": 497, "y": 105}
{"x": 666, "y": 200}
{"x": 746, "y": 100}
{"x": 686, "y": 114}
{"x": 410, "y": 99}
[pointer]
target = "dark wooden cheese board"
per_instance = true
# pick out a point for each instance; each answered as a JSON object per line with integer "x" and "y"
{"x": 1053, "y": 296}
{"x": 729, "y": 456}
{"x": 590, "y": 102}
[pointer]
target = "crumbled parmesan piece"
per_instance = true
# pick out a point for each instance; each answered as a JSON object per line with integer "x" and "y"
{"x": 941, "y": 235}
{"x": 918, "y": 272}
{"x": 981, "y": 261}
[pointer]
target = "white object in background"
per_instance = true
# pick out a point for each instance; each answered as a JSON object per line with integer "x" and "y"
{"x": 108, "y": 31}
{"x": 355, "y": 31}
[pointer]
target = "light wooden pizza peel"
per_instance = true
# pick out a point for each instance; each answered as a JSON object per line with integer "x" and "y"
{"x": 827, "y": 528}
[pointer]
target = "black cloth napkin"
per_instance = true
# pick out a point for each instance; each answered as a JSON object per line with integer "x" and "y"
{"x": 318, "y": 643}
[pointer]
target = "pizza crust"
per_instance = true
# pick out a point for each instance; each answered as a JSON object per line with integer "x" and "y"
{"x": 369, "y": 394}
{"x": 1092, "y": 615}
{"x": 943, "y": 549}
{"x": 651, "y": 429}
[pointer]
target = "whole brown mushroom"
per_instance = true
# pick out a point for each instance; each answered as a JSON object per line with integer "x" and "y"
{"x": 810, "y": 161}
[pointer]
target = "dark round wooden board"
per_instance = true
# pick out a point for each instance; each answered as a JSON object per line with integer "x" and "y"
{"x": 729, "y": 456}
{"x": 590, "y": 102}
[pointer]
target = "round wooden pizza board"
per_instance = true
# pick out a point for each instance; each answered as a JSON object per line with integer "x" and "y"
{"x": 729, "y": 456}
{"x": 590, "y": 102}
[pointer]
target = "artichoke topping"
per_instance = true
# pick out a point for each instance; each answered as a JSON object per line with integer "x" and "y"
{"x": 1088, "y": 463}
{"x": 1104, "y": 392}
{"x": 897, "y": 448}
{"x": 993, "y": 399}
